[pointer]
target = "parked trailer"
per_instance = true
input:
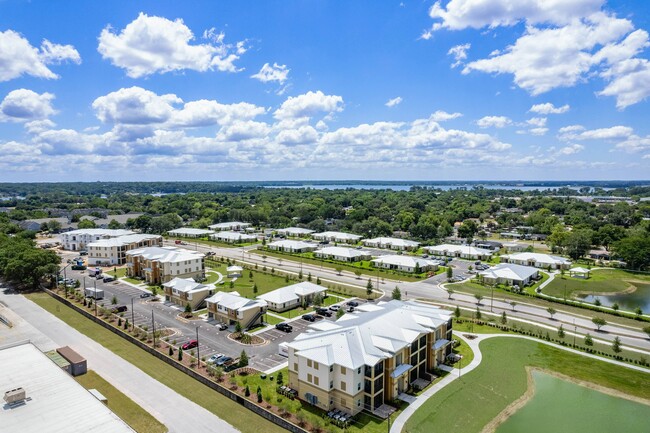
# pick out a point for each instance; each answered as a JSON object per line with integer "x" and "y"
{"x": 91, "y": 292}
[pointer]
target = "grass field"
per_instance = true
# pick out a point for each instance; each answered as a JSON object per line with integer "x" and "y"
{"x": 139, "y": 419}
{"x": 223, "y": 407}
{"x": 601, "y": 281}
{"x": 209, "y": 242}
{"x": 244, "y": 285}
{"x": 469, "y": 403}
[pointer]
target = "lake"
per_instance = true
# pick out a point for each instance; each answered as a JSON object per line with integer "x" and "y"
{"x": 561, "y": 406}
{"x": 626, "y": 301}
{"x": 407, "y": 187}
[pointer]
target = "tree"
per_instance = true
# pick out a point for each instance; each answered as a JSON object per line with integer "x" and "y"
{"x": 23, "y": 264}
{"x": 358, "y": 273}
{"x": 478, "y": 314}
{"x": 369, "y": 288}
{"x": 599, "y": 322}
{"x": 634, "y": 250}
{"x": 646, "y": 329}
{"x": 560, "y": 332}
{"x": 300, "y": 275}
{"x": 188, "y": 309}
{"x": 171, "y": 351}
{"x": 340, "y": 313}
{"x": 588, "y": 340}
{"x": 450, "y": 292}
{"x": 114, "y": 300}
{"x": 578, "y": 243}
{"x": 114, "y": 225}
{"x": 280, "y": 378}
{"x": 338, "y": 270}
{"x": 551, "y": 311}
{"x": 467, "y": 230}
{"x": 247, "y": 392}
{"x": 309, "y": 277}
{"x": 397, "y": 294}
{"x": 238, "y": 327}
{"x": 243, "y": 359}
{"x": 513, "y": 304}
{"x": 450, "y": 273}
{"x": 457, "y": 312}
{"x": 86, "y": 224}
{"x": 180, "y": 353}
{"x": 504, "y": 318}
{"x": 318, "y": 300}
{"x": 255, "y": 289}
{"x": 616, "y": 345}
{"x": 638, "y": 312}
{"x": 318, "y": 280}
{"x": 53, "y": 226}
{"x": 615, "y": 306}
{"x": 479, "y": 298}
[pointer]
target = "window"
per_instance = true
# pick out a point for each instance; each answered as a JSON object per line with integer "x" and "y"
{"x": 331, "y": 368}
{"x": 295, "y": 366}
{"x": 343, "y": 403}
{"x": 331, "y": 384}
{"x": 316, "y": 380}
{"x": 309, "y": 378}
{"x": 359, "y": 402}
{"x": 309, "y": 363}
{"x": 315, "y": 365}
{"x": 359, "y": 386}
{"x": 359, "y": 370}
{"x": 343, "y": 388}
{"x": 343, "y": 370}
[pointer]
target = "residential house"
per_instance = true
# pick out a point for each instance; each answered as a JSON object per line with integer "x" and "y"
{"x": 102, "y": 223}
{"x": 537, "y": 260}
{"x": 290, "y": 246}
{"x": 184, "y": 291}
{"x": 342, "y": 254}
{"x": 36, "y": 224}
{"x": 462, "y": 251}
{"x": 509, "y": 274}
{"x": 113, "y": 251}
{"x": 230, "y": 308}
{"x": 157, "y": 265}
{"x": 234, "y": 226}
{"x": 188, "y": 232}
{"x": 488, "y": 245}
{"x": 405, "y": 263}
{"x": 231, "y": 237}
{"x": 77, "y": 240}
{"x": 295, "y": 232}
{"x": 286, "y": 298}
{"x": 392, "y": 244}
{"x": 339, "y": 237}
{"x": 365, "y": 360}
{"x": 514, "y": 247}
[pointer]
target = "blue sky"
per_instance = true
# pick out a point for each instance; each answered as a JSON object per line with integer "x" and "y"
{"x": 274, "y": 90}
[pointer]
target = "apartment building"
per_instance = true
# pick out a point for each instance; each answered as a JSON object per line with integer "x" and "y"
{"x": 290, "y": 246}
{"x": 77, "y": 240}
{"x": 229, "y": 226}
{"x": 113, "y": 251}
{"x": 339, "y": 237}
{"x": 296, "y": 232}
{"x": 342, "y": 254}
{"x": 537, "y": 260}
{"x": 232, "y": 237}
{"x": 184, "y": 291}
{"x": 462, "y": 251}
{"x": 404, "y": 263}
{"x": 396, "y": 244}
{"x": 231, "y": 307}
{"x": 367, "y": 358}
{"x": 157, "y": 265}
{"x": 288, "y": 297}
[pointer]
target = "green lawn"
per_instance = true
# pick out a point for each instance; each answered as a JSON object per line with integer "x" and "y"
{"x": 466, "y": 352}
{"x": 469, "y": 403}
{"x": 272, "y": 320}
{"x": 244, "y": 285}
{"x": 223, "y": 407}
{"x": 121, "y": 272}
{"x": 139, "y": 419}
{"x": 208, "y": 242}
{"x": 365, "y": 267}
{"x": 601, "y": 281}
{"x": 133, "y": 280}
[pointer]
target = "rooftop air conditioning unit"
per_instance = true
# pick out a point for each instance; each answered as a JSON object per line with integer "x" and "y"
{"x": 15, "y": 396}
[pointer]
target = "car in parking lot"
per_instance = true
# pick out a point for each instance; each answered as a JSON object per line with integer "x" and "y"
{"x": 190, "y": 345}
{"x": 119, "y": 309}
{"x": 309, "y": 317}
{"x": 78, "y": 267}
{"x": 335, "y": 307}
{"x": 223, "y": 361}
{"x": 349, "y": 309}
{"x": 284, "y": 327}
{"x": 323, "y": 312}
{"x": 214, "y": 358}
{"x": 352, "y": 303}
{"x": 145, "y": 295}
{"x": 222, "y": 326}
{"x": 108, "y": 279}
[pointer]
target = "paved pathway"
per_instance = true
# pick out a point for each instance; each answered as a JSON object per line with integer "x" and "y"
{"x": 169, "y": 407}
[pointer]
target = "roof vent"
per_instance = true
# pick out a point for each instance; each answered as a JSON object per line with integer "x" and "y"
{"x": 15, "y": 396}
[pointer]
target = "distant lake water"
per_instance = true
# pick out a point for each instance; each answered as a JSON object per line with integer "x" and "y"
{"x": 406, "y": 187}
{"x": 626, "y": 301}
{"x": 561, "y": 406}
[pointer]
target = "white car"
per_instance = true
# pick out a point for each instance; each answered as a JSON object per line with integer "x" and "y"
{"x": 214, "y": 358}
{"x": 335, "y": 307}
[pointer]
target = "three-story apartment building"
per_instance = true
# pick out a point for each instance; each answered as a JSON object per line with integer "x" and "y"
{"x": 157, "y": 265}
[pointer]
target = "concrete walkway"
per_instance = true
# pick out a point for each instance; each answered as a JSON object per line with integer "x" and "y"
{"x": 169, "y": 407}
{"x": 400, "y": 421}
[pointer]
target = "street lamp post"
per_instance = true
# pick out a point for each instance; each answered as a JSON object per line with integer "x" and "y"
{"x": 198, "y": 348}
{"x": 153, "y": 327}
{"x": 491, "y": 298}
{"x": 95, "y": 296}
{"x": 132, "y": 316}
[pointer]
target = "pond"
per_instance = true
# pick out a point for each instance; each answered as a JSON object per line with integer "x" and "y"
{"x": 562, "y": 406}
{"x": 626, "y": 301}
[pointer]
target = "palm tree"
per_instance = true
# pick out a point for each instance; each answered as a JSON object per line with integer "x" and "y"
{"x": 450, "y": 292}
{"x": 479, "y": 298}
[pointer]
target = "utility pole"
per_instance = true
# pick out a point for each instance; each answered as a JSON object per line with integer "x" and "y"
{"x": 132, "y": 316}
{"x": 95, "y": 296}
{"x": 198, "y": 348}
{"x": 492, "y": 298}
{"x": 153, "y": 327}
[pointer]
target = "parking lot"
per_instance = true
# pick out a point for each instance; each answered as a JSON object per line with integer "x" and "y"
{"x": 145, "y": 312}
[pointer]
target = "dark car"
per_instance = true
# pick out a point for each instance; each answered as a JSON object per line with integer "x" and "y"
{"x": 83, "y": 253}
{"x": 108, "y": 279}
{"x": 190, "y": 345}
{"x": 145, "y": 295}
{"x": 78, "y": 267}
{"x": 309, "y": 317}
{"x": 119, "y": 309}
{"x": 222, "y": 327}
{"x": 99, "y": 276}
{"x": 349, "y": 309}
{"x": 353, "y": 304}
{"x": 284, "y": 327}
{"x": 323, "y": 312}
{"x": 223, "y": 361}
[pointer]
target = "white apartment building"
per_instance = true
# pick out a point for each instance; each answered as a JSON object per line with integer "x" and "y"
{"x": 231, "y": 237}
{"x": 342, "y": 254}
{"x": 296, "y": 232}
{"x": 537, "y": 260}
{"x": 231, "y": 307}
{"x": 462, "y": 251}
{"x": 290, "y": 246}
{"x": 229, "y": 226}
{"x": 366, "y": 359}
{"x": 189, "y": 232}
{"x": 157, "y": 265}
{"x": 288, "y": 297}
{"x": 339, "y": 237}
{"x": 396, "y": 244}
{"x": 113, "y": 251}
{"x": 77, "y": 240}
{"x": 404, "y": 263}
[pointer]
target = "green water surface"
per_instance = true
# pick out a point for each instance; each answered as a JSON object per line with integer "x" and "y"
{"x": 561, "y": 406}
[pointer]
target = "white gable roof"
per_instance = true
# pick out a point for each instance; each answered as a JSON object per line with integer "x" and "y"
{"x": 539, "y": 258}
{"x": 343, "y": 252}
{"x": 402, "y": 260}
{"x": 233, "y": 301}
{"x": 292, "y": 292}
{"x": 186, "y": 285}
{"x": 509, "y": 271}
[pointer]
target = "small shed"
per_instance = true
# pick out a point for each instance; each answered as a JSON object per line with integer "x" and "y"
{"x": 78, "y": 365}
{"x": 579, "y": 272}
{"x": 234, "y": 271}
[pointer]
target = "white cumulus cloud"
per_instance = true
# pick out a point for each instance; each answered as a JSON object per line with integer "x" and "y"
{"x": 549, "y": 108}
{"x": 135, "y": 106}
{"x": 393, "y": 102}
{"x": 308, "y": 105}
{"x": 276, "y": 72}
{"x": 442, "y": 116}
{"x": 23, "y": 105}
{"x": 18, "y": 57}
{"x": 493, "y": 122}
{"x": 571, "y": 149}
{"x": 459, "y": 52}
{"x": 151, "y": 44}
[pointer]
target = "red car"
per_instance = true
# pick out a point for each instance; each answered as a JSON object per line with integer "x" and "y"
{"x": 190, "y": 345}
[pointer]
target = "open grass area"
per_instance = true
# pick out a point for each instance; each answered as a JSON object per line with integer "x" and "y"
{"x": 465, "y": 351}
{"x": 601, "y": 281}
{"x": 209, "y": 242}
{"x": 132, "y": 280}
{"x": 223, "y": 407}
{"x": 135, "y": 416}
{"x": 469, "y": 403}
{"x": 272, "y": 320}
{"x": 365, "y": 267}
{"x": 244, "y": 285}
{"x": 121, "y": 272}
